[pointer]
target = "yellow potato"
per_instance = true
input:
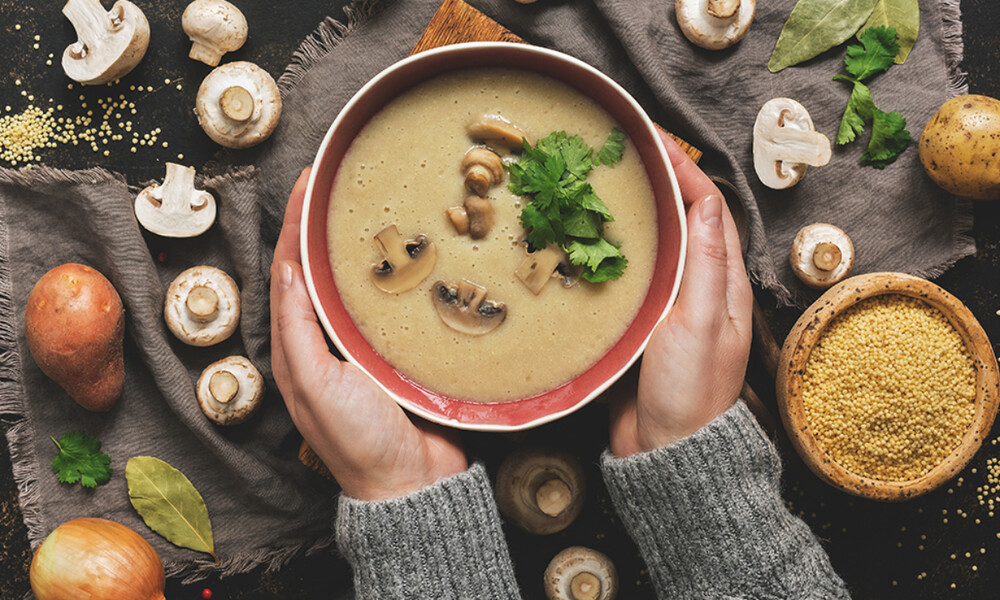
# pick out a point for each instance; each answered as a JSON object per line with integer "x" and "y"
{"x": 960, "y": 147}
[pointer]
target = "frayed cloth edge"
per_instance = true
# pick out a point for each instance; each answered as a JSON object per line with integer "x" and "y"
{"x": 951, "y": 26}
{"x": 322, "y": 41}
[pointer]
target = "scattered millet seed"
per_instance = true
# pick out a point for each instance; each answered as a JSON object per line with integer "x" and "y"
{"x": 889, "y": 389}
{"x": 35, "y": 46}
{"x": 38, "y": 38}
{"x": 17, "y": 27}
{"x": 180, "y": 157}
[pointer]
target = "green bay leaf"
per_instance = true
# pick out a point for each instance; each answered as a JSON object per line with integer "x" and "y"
{"x": 901, "y": 15}
{"x": 814, "y": 27}
{"x": 169, "y": 503}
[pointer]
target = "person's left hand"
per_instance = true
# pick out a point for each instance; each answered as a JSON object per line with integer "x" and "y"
{"x": 374, "y": 450}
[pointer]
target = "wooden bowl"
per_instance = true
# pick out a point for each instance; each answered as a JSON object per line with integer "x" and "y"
{"x": 806, "y": 333}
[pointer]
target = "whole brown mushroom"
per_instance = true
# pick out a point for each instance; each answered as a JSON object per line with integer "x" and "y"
{"x": 541, "y": 490}
{"x": 579, "y": 573}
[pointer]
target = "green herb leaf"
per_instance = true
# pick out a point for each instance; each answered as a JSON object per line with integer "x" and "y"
{"x": 80, "y": 460}
{"x": 169, "y": 504}
{"x": 889, "y": 139}
{"x": 564, "y": 209}
{"x": 814, "y": 27}
{"x": 613, "y": 148}
{"x": 859, "y": 111}
{"x": 901, "y": 15}
{"x": 874, "y": 55}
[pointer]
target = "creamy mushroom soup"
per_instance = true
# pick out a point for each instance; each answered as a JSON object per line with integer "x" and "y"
{"x": 403, "y": 170}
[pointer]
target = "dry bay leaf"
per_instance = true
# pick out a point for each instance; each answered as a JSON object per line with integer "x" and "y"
{"x": 169, "y": 504}
{"x": 901, "y": 15}
{"x": 815, "y": 26}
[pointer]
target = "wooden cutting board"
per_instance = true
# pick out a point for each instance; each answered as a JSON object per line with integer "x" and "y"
{"x": 453, "y": 23}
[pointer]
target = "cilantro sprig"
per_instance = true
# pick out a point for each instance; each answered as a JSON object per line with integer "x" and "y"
{"x": 80, "y": 460}
{"x": 889, "y": 137}
{"x": 564, "y": 209}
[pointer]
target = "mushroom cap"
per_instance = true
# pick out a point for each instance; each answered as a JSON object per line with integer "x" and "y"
{"x": 482, "y": 168}
{"x": 497, "y": 132}
{"x": 175, "y": 209}
{"x": 481, "y": 215}
{"x": 785, "y": 143}
{"x": 548, "y": 263}
{"x": 214, "y": 27}
{"x": 229, "y": 132}
{"x": 123, "y": 35}
{"x": 803, "y": 255}
{"x": 579, "y": 573}
{"x": 465, "y": 309}
{"x": 223, "y": 403}
{"x": 541, "y": 490}
{"x": 703, "y": 29}
{"x": 208, "y": 317}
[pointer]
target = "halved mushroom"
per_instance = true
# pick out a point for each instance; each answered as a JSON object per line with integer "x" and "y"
{"x": 714, "y": 24}
{"x": 465, "y": 309}
{"x": 821, "y": 255}
{"x": 540, "y": 266}
{"x": 541, "y": 490}
{"x": 496, "y": 131}
{"x": 482, "y": 169}
{"x": 202, "y": 306}
{"x": 785, "y": 143}
{"x": 230, "y": 390}
{"x": 459, "y": 219}
{"x": 579, "y": 573}
{"x": 404, "y": 264}
{"x": 214, "y": 27}
{"x": 110, "y": 43}
{"x": 238, "y": 105}
{"x": 175, "y": 209}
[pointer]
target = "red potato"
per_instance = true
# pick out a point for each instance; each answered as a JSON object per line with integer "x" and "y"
{"x": 74, "y": 324}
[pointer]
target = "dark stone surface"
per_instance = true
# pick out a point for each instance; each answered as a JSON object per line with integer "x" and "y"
{"x": 881, "y": 550}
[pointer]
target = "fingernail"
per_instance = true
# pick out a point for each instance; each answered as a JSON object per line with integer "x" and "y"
{"x": 711, "y": 210}
{"x": 284, "y": 276}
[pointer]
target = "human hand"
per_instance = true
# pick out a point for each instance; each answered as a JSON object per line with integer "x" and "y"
{"x": 374, "y": 450}
{"x": 694, "y": 364}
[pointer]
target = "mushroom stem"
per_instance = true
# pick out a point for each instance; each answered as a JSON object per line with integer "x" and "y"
{"x": 176, "y": 190}
{"x": 585, "y": 586}
{"x": 91, "y": 22}
{"x": 723, "y": 9}
{"x": 202, "y": 303}
{"x": 237, "y": 104}
{"x": 223, "y": 386}
{"x": 826, "y": 256}
{"x": 801, "y": 146}
{"x": 553, "y": 497}
{"x": 392, "y": 246}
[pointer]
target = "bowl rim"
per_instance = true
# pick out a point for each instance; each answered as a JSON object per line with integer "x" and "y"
{"x": 647, "y": 125}
{"x": 806, "y": 333}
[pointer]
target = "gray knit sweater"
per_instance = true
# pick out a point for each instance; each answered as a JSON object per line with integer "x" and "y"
{"x": 706, "y": 514}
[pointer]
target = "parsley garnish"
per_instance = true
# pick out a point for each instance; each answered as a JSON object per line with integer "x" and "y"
{"x": 889, "y": 137}
{"x": 564, "y": 209}
{"x": 80, "y": 460}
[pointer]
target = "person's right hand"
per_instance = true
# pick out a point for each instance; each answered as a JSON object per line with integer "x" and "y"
{"x": 373, "y": 449}
{"x": 693, "y": 367}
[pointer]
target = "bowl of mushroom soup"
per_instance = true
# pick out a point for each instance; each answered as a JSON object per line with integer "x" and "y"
{"x": 491, "y": 232}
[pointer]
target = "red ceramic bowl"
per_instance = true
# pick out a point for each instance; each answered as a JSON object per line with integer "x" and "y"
{"x": 527, "y": 412}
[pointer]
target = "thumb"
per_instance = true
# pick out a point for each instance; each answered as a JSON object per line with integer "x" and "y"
{"x": 702, "y": 297}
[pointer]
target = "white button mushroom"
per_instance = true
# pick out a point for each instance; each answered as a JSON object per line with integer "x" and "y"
{"x": 110, "y": 43}
{"x": 548, "y": 263}
{"x": 202, "y": 306}
{"x": 175, "y": 209}
{"x": 465, "y": 309}
{"x": 785, "y": 143}
{"x": 404, "y": 264}
{"x": 215, "y": 27}
{"x": 238, "y": 105}
{"x": 579, "y": 573}
{"x": 497, "y": 133}
{"x": 482, "y": 169}
{"x": 541, "y": 490}
{"x": 714, "y": 24}
{"x": 821, "y": 255}
{"x": 230, "y": 390}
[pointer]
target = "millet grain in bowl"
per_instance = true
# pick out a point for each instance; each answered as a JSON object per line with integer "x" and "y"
{"x": 889, "y": 389}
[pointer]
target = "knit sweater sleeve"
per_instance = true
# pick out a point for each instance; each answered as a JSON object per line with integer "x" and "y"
{"x": 443, "y": 542}
{"x": 707, "y": 515}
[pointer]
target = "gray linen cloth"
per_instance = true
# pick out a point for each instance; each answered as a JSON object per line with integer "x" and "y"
{"x": 264, "y": 506}
{"x": 898, "y": 219}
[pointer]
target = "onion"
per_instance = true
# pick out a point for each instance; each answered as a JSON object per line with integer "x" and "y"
{"x": 96, "y": 559}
